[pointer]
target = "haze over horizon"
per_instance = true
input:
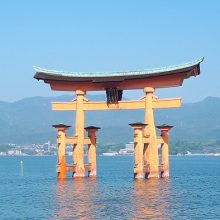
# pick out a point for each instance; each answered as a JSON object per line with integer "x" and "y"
{"x": 108, "y": 36}
{"x": 100, "y": 95}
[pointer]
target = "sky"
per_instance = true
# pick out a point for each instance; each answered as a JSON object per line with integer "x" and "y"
{"x": 108, "y": 35}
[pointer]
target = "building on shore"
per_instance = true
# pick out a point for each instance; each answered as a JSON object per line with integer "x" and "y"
{"x": 128, "y": 150}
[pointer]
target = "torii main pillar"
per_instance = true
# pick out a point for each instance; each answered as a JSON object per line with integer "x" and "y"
{"x": 150, "y": 149}
{"x": 78, "y": 149}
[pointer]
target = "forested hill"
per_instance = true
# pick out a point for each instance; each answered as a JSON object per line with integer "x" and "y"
{"x": 29, "y": 121}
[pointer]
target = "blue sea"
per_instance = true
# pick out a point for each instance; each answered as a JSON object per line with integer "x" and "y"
{"x": 30, "y": 190}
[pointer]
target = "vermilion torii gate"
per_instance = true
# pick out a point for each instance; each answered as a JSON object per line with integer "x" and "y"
{"x": 145, "y": 139}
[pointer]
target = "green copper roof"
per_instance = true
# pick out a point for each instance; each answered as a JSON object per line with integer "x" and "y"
{"x": 61, "y": 75}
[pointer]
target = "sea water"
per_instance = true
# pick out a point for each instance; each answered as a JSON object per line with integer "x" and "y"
{"x": 29, "y": 190}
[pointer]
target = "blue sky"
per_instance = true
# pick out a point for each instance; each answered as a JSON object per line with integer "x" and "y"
{"x": 108, "y": 35}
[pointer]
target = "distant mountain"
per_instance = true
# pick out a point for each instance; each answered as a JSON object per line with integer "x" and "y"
{"x": 197, "y": 121}
{"x": 30, "y": 120}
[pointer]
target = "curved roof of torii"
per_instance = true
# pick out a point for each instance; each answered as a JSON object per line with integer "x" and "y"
{"x": 118, "y": 78}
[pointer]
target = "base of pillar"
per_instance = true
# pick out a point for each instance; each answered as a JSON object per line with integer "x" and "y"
{"x": 61, "y": 176}
{"x": 138, "y": 175}
{"x": 76, "y": 174}
{"x": 151, "y": 175}
{"x": 92, "y": 173}
{"x": 165, "y": 174}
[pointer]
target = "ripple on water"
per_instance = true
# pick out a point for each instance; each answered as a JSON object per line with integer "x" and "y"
{"x": 191, "y": 192}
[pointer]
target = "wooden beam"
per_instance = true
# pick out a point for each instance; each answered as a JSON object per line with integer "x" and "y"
{"x": 167, "y": 103}
{"x": 160, "y": 140}
{"x": 90, "y": 106}
{"x": 146, "y": 140}
{"x": 126, "y": 105}
{"x": 87, "y": 141}
{"x": 162, "y": 81}
{"x": 73, "y": 140}
{"x": 72, "y": 168}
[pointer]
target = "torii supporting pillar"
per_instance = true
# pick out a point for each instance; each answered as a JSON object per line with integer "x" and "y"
{"x": 61, "y": 142}
{"x": 78, "y": 149}
{"x": 138, "y": 149}
{"x": 150, "y": 149}
{"x": 165, "y": 149}
{"x": 92, "y": 149}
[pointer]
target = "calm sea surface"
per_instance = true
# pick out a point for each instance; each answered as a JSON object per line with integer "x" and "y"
{"x": 191, "y": 192}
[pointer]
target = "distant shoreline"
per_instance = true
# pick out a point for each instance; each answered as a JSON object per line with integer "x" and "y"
{"x": 129, "y": 155}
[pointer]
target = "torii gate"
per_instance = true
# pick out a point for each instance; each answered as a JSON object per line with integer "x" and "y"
{"x": 145, "y": 139}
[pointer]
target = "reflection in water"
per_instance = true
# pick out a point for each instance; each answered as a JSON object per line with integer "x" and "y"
{"x": 84, "y": 198}
{"x": 75, "y": 199}
{"x": 151, "y": 199}
{"x": 192, "y": 191}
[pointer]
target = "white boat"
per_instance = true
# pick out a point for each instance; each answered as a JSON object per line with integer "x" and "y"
{"x": 110, "y": 154}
